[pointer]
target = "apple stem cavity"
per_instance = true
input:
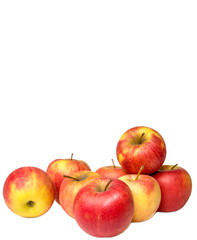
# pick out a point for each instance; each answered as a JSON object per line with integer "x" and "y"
{"x": 142, "y": 167}
{"x": 30, "y": 203}
{"x": 73, "y": 178}
{"x": 174, "y": 166}
{"x": 141, "y": 138}
{"x": 105, "y": 189}
{"x": 113, "y": 163}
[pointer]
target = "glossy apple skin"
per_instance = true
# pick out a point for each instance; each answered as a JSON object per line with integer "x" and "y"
{"x": 60, "y": 167}
{"x": 70, "y": 187}
{"x": 104, "y": 213}
{"x": 29, "y": 184}
{"x": 176, "y": 187}
{"x": 141, "y": 146}
{"x": 111, "y": 171}
{"x": 146, "y": 195}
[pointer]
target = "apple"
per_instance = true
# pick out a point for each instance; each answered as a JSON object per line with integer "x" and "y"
{"x": 111, "y": 171}
{"x": 141, "y": 146}
{"x": 146, "y": 195}
{"x": 70, "y": 187}
{"x": 104, "y": 207}
{"x": 29, "y": 192}
{"x": 176, "y": 186}
{"x": 60, "y": 167}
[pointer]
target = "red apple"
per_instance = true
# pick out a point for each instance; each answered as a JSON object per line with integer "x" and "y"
{"x": 146, "y": 195}
{"x": 111, "y": 171}
{"x": 141, "y": 146}
{"x": 104, "y": 207}
{"x": 60, "y": 167}
{"x": 176, "y": 186}
{"x": 29, "y": 192}
{"x": 70, "y": 187}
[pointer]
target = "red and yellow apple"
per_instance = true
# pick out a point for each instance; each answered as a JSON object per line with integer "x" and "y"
{"x": 141, "y": 146}
{"x": 70, "y": 187}
{"x": 111, "y": 171}
{"x": 176, "y": 186}
{"x": 60, "y": 167}
{"x": 29, "y": 192}
{"x": 146, "y": 195}
{"x": 104, "y": 207}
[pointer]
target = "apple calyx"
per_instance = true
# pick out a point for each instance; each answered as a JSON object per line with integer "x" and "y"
{"x": 142, "y": 167}
{"x": 174, "y": 166}
{"x": 113, "y": 163}
{"x": 73, "y": 178}
{"x": 105, "y": 189}
{"x": 30, "y": 203}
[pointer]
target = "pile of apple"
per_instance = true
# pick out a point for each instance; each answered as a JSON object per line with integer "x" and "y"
{"x": 105, "y": 202}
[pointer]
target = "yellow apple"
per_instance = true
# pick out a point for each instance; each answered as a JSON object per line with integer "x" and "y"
{"x": 146, "y": 195}
{"x": 29, "y": 192}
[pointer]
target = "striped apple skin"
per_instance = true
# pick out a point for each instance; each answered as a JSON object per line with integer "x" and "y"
{"x": 29, "y": 192}
{"x": 141, "y": 146}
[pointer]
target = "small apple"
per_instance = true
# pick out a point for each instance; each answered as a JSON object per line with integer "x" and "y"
{"x": 176, "y": 186}
{"x": 29, "y": 192}
{"x": 70, "y": 187}
{"x": 141, "y": 146}
{"x": 104, "y": 207}
{"x": 60, "y": 167}
{"x": 111, "y": 171}
{"x": 146, "y": 195}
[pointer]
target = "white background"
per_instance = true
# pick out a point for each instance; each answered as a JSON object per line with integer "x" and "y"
{"x": 75, "y": 75}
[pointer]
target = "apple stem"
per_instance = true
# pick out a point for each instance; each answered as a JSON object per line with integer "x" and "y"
{"x": 71, "y": 177}
{"x": 142, "y": 167}
{"x": 173, "y": 166}
{"x": 71, "y": 156}
{"x": 141, "y": 137}
{"x": 107, "y": 185}
{"x": 113, "y": 163}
